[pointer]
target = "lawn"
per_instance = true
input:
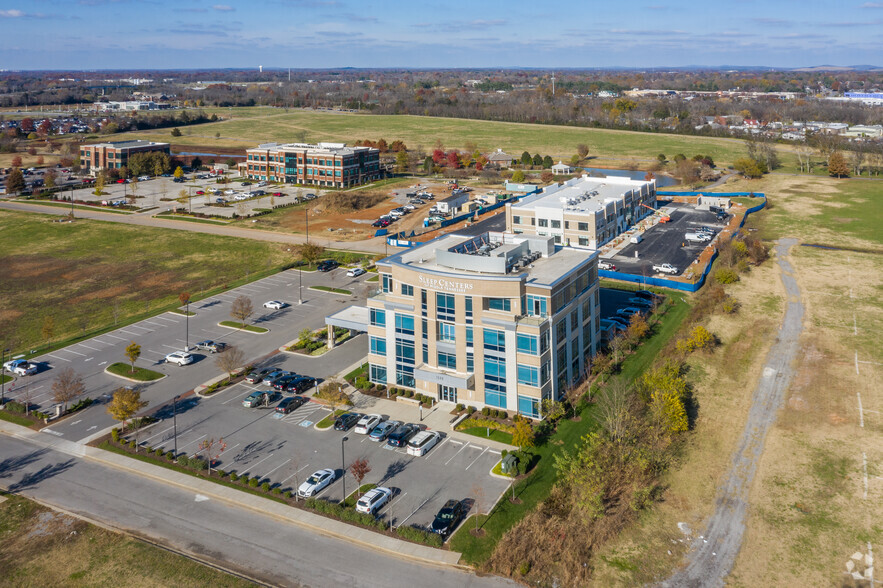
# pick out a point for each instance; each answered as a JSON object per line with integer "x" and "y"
{"x": 249, "y": 127}
{"x": 244, "y": 327}
{"x": 495, "y": 435}
{"x": 536, "y": 486}
{"x": 41, "y": 547}
{"x": 89, "y": 275}
{"x": 332, "y": 290}
{"x": 141, "y": 374}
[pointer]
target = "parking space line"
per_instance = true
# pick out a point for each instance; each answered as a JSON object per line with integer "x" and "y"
{"x": 157, "y": 324}
{"x": 192, "y": 442}
{"x": 96, "y": 340}
{"x": 87, "y": 347}
{"x": 252, "y": 466}
{"x": 276, "y": 468}
{"x": 165, "y": 318}
{"x": 113, "y": 337}
{"x": 157, "y": 435}
{"x": 247, "y": 392}
{"x": 294, "y": 474}
{"x": 477, "y": 458}
{"x": 412, "y": 514}
{"x": 456, "y": 442}
{"x": 228, "y": 449}
{"x": 170, "y": 347}
{"x": 56, "y": 357}
{"x": 130, "y": 332}
{"x": 74, "y": 352}
{"x": 494, "y": 451}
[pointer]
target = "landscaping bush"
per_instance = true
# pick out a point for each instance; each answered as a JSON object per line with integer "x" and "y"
{"x": 486, "y": 411}
{"x": 381, "y": 387}
{"x": 159, "y": 452}
{"x": 420, "y": 536}
{"x": 132, "y": 445}
{"x": 471, "y": 410}
{"x": 13, "y": 406}
{"x": 221, "y": 473}
{"x": 170, "y": 455}
{"x": 234, "y": 477}
{"x": 277, "y": 490}
{"x": 460, "y": 408}
{"x": 287, "y": 494}
{"x": 726, "y": 275}
{"x": 265, "y": 486}
{"x": 114, "y": 434}
{"x": 254, "y": 482}
{"x": 502, "y": 414}
{"x": 197, "y": 463}
{"x": 471, "y": 422}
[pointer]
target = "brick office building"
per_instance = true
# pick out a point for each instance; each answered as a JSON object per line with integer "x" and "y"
{"x": 100, "y": 156}
{"x": 332, "y": 165}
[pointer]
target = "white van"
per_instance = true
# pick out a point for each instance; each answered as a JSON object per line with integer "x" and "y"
{"x": 422, "y": 442}
{"x": 636, "y": 238}
{"x": 697, "y": 237}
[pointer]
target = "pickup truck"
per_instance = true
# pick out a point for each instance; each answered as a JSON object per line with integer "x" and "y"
{"x": 211, "y": 346}
{"x": 697, "y": 237}
{"x": 665, "y": 268}
{"x": 20, "y": 367}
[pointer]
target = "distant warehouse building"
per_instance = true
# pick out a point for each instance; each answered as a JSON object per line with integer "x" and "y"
{"x": 497, "y": 320}
{"x": 324, "y": 164}
{"x": 100, "y": 156}
{"x": 583, "y": 212}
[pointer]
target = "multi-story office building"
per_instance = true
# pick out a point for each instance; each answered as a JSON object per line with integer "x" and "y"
{"x": 100, "y": 156}
{"x": 325, "y": 164}
{"x": 497, "y": 319}
{"x": 583, "y": 212}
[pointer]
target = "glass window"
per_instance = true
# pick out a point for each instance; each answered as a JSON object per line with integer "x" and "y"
{"x": 469, "y": 342}
{"x": 444, "y": 306}
{"x": 386, "y": 281}
{"x": 582, "y": 226}
{"x": 447, "y": 360}
{"x": 529, "y": 407}
{"x": 516, "y": 220}
{"x": 378, "y": 317}
{"x": 470, "y": 361}
{"x": 537, "y": 305}
{"x": 494, "y": 340}
{"x": 527, "y": 344}
{"x": 574, "y": 320}
{"x": 543, "y": 222}
{"x": 378, "y": 373}
{"x": 407, "y": 290}
{"x": 545, "y": 373}
{"x": 560, "y": 331}
{"x": 495, "y": 382}
{"x": 405, "y": 378}
{"x": 425, "y": 353}
{"x": 377, "y": 345}
{"x": 544, "y": 342}
{"x": 556, "y": 224}
{"x": 499, "y": 304}
{"x": 447, "y": 332}
{"x": 584, "y": 241}
{"x": 425, "y": 326}
{"x": 528, "y": 375}
{"x": 404, "y": 324}
{"x": 467, "y": 301}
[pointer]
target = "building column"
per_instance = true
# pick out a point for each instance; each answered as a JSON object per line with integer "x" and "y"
{"x": 330, "y": 337}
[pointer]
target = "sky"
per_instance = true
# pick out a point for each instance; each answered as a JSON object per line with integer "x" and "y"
{"x": 192, "y": 34}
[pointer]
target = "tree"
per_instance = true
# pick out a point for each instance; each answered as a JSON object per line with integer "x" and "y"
{"x": 574, "y": 160}
{"x": 133, "y": 352}
{"x": 67, "y": 386}
{"x": 16, "y": 161}
{"x": 195, "y": 163}
{"x": 665, "y": 390}
{"x": 179, "y": 173}
{"x": 615, "y": 408}
{"x": 547, "y": 162}
{"x": 206, "y": 447}
{"x": 453, "y": 159}
{"x": 748, "y": 167}
{"x": 582, "y": 150}
{"x": 309, "y": 252}
{"x": 837, "y": 165}
{"x": 230, "y": 360}
{"x": 546, "y": 176}
{"x": 537, "y": 159}
{"x": 661, "y": 158}
{"x": 518, "y": 176}
{"x": 427, "y": 164}
{"x": 48, "y": 329}
{"x": 27, "y": 125}
{"x": 15, "y": 181}
{"x": 125, "y": 403}
{"x": 523, "y": 436}
{"x": 99, "y": 184}
{"x": 176, "y": 132}
{"x": 333, "y": 394}
{"x": 637, "y": 329}
{"x": 134, "y": 187}
{"x": 525, "y": 158}
{"x": 359, "y": 469}
{"x": 241, "y": 309}
{"x": 402, "y": 161}
{"x": 49, "y": 178}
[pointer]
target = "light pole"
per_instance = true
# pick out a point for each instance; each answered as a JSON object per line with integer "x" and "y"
{"x": 300, "y": 281}
{"x": 343, "y": 467}
{"x": 175, "y": 423}
{"x": 307, "y": 218}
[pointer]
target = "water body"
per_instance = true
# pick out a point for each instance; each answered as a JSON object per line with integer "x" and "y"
{"x": 661, "y": 180}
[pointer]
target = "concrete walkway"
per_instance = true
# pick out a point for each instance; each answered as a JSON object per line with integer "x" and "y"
{"x": 237, "y": 498}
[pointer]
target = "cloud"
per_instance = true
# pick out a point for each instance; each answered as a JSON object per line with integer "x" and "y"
{"x": 223, "y": 8}
{"x": 779, "y": 22}
{"x": 12, "y": 13}
{"x": 360, "y": 18}
{"x": 872, "y": 5}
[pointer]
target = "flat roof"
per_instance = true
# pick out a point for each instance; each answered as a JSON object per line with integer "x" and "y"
{"x": 335, "y": 148}
{"x": 585, "y": 194}
{"x": 128, "y": 144}
{"x": 554, "y": 263}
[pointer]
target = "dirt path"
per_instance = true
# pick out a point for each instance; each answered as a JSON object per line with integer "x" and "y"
{"x": 713, "y": 555}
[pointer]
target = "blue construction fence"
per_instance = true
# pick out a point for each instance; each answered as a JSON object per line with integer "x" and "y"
{"x": 684, "y": 287}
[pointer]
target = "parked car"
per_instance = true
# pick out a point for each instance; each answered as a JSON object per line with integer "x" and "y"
{"x": 316, "y": 483}
{"x": 645, "y": 294}
{"x": 220, "y": 201}
{"x": 623, "y": 322}
{"x": 261, "y": 398}
{"x": 665, "y": 268}
{"x": 401, "y": 436}
{"x": 179, "y": 357}
{"x": 327, "y": 265}
{"x": 409, "y": 207}
{"x": 211, "y": 346}
{"x": 257, "y": 377}
{"x": 373, "y": 500}
{"x": 273, "y": 378}
{"x": 277, "y": 194}
{"x": 274, "y": 304}
{"x": 628, "y": 311}
{"x": 285, "y": 381}
{"x": 355, "y": 272}
{"x": 310, "y": 197}
{"x": 299, "y": 384}
{"x": 289, "y": 404}
{"x": 606, "y": 265}
{"x": 382, "y": 430}
{"x": 640, "y": 302}
{"x": 20, "y": 367}
{"x": 448, "y": 517}
{"x": 143, "y": 178}
{"x": 345, "y": 421}
{"x": 422, "y": 442}
{"x": 245, "y": 184}
{"x": 367, "y": 423}
{"x": 697, "y": 237}
{"x": 200, "y": 193}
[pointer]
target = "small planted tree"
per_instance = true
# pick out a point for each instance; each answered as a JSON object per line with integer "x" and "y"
{"x": 310, "y": 253}
{"x": 241, "y": 309}
{"x": 133, "y": 352}
{"x": 333, "y": 394}
{"x": 67, "y": 386}
{"x": 231, "y": 360}
{"x": 359, "y": 469}
{"x": 48, "y": 329}
{"x": 125, "y": 403}
{"x": 523, "y": 436}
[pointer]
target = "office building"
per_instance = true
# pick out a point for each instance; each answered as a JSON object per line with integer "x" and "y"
{"x": 332, "y": 165}
{"x": 498, "y": 320}
{"x": 100, "y": 156}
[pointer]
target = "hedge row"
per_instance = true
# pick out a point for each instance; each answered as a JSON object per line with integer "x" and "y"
{"x": 470, "y": 422}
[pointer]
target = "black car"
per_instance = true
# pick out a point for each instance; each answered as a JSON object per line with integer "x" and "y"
{"x": 289, "y": 404}
{"x": 447, "y": 518}
{"x": 646, "y": 295}
{"x": 401, "y": 436}
{"x": 283, "y": 382}
{"x": 327, "y": 265}
{"x": 618, "y": 319}
{"x": 300, "y": 384}
{"x": 346, "y": 421}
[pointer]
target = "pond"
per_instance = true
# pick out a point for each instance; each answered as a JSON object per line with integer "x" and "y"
{"x": 662, "y": 181}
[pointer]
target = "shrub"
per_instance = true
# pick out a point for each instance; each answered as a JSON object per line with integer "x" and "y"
{"x": 287, "y": 494}
{"x": 502, "y": 414}
{"x": 381, "y": 387}
{"x": 277, "y": 490}
{"x": 471, "y": 409}
{"x": 254, "y": 482}
{"x": 131, "y": 445}
{"x": 419, "y": 536}
{"x": 115, "y": 435}
{"x": 730, "y": 306}
{"x": 221, "y": 473}
{"x": 504, "y": 453}
{"x": 234, "y": 477}
{"x": 460, "y": 408}
{"x": 197, "y": 463}
{"x": 486, "y": 411}
{"x": 726, "y": 275}
{"x": 470, "y": 422}
{"x": 170, "y": 455}
{"x": 700, "y": 338}
{"x": 265, "y": 486}
{"x": 159, "y": 452}
{"x": 524, "y": 568}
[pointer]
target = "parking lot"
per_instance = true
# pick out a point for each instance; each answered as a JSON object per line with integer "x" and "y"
{"x": 286, "y": 449}
{"x": 165, "y": 333}
{"x": 665, "y": 243}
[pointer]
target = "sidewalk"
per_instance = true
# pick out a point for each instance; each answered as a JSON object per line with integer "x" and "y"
{"x": 234, "y": 497}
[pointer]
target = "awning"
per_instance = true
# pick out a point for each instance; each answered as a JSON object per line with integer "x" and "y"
{"x": 355, "y": 318}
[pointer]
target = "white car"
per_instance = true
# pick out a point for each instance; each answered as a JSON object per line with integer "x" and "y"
{"x": 422, "y": 442}
{"x": 274, "y": 304}
{"x": 373, "y": 500}
{"x": 367, "y": 423}
{"x": 606, "y": 265}
{"x": 355, "y": 272}
{"x": 409, "y": 207}
{"x": 20, "y": 367}
{"x": 316, "y": 483}
{"x": 143, "y": 178}
{"x": 229, "y": 192}
{"x": 665, "y": 268}
{"x": 180, "y": 358}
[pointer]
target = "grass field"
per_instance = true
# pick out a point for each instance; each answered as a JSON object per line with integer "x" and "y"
{"x": 41, "y": 547}
{"x": 141, "y": 374}
{"x": 250, "y": 126}
{"x": 91, "y": 274}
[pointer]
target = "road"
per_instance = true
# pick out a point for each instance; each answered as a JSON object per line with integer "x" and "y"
{"x": 232, "y": 537}
{"x": 711, "y": 558}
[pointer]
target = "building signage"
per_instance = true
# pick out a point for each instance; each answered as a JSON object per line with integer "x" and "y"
{"x": 446, "y": 285}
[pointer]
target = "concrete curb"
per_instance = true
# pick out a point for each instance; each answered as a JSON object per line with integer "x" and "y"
{"x": 284, "y": 349}
{"x": 164, "y": 376}
{"x": 198, "y": 390}
{"x": 244, "y": 330}
{"x": 329, "y": 291}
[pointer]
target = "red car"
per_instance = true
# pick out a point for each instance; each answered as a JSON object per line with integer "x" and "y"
{"x": 200, "y": 193}
{"x": 121, "y": 181}
{"x": 278, "y": 194}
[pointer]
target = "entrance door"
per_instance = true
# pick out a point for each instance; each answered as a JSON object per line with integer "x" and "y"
{"x": 447, "y": 393}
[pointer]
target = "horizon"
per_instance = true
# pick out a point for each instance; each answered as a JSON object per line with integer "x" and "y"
{"x": 47, "y": 35}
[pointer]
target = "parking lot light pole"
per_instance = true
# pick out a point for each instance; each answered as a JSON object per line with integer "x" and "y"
{"x": 300, "y": 280}
{"x": 343, "y": 467}
{"x": 175, "y": 423}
